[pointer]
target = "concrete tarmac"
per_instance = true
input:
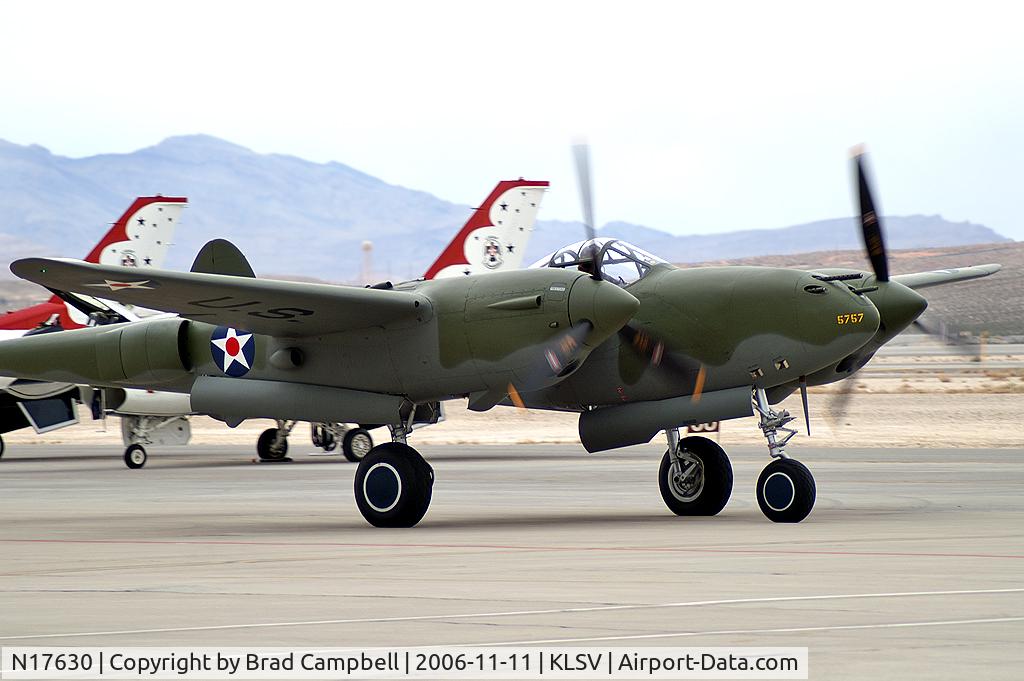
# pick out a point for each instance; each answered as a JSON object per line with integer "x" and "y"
{"x": 910, "y": 567}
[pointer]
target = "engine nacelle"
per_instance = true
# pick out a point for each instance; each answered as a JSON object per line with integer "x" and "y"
{"x": 149, "y": 352}
{"x": 145, "y": 352}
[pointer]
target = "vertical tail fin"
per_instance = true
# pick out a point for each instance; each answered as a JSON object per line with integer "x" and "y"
{"x": 139, "y": 238}
{"x": 496, "y": 234}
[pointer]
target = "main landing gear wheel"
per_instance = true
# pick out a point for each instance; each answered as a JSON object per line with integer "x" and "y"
{"x": 323, "y": 438}
{"x": 2, "y": 447}
{"x": 393, "y": 486}
{"x": 356, "y": 444}
{"x": 785, "y": 491}
{"x": 698, "y": 481}
{"x": 268, "y": 447}
{"x": 135, "y": 456}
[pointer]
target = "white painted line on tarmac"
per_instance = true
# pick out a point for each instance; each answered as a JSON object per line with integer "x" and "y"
{"x": 734, "y": 632}
{"x": 519, "y": 613}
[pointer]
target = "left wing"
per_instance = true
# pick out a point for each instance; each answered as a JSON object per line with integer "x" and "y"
{"x": 277, "y": 308}
{"x": 937, "y": 277}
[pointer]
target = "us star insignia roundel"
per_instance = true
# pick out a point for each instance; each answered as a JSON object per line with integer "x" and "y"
{"x": 233, "y": 350}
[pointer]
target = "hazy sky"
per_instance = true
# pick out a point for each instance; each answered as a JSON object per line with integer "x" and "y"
{"x": 703, "y": 116}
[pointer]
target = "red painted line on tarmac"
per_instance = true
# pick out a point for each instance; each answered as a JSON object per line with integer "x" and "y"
{"x": 509, "y": 547}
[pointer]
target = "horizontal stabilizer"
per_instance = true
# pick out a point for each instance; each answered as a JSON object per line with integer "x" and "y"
{"x": 278, "y": 308}
{"x": 937, "y": 277}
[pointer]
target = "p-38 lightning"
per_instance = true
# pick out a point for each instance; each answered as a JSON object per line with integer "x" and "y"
{"x": 632, "y": 343}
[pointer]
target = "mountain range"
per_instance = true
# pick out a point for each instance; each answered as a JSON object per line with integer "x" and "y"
{"x": 303, "y": 219}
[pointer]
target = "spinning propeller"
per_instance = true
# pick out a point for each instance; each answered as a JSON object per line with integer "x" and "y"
{"x": 644, "y": 343}
{"x": 581, "y": 154}
{"x": 873, "y": 237}
{"x": 874, "y": 244}
{"x": 870, "y": 220}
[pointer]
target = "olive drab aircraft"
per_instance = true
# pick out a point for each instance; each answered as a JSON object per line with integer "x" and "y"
{"x": 493, "y": 239}
{"x": 140, "y": 238}
{"x": 633, "y": 344}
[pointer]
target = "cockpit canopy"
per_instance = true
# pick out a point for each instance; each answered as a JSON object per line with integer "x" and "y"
{"x": 621, "y": 263}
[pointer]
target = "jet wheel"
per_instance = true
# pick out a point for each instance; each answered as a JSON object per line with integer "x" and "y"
{"x": 785, "y": 491}
{"x": 701, "y": 482}
{"x": 135, "y": 456}
{"x": 393, "y": 485}
{"x": 2, "y": 447}
{"x": 266, "y": 449}
{"x": 356, "y": 444}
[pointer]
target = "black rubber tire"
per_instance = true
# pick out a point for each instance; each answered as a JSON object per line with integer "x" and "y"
{"x": 135, "y": 456}
{"x": 354, "y": 445}
{"x": 791, "y": 492}
{"x": 263, "y": 446}
{"x": 2, "y": 447}
{"x": 717, "y": 486}
{"x": 393, "y": 505}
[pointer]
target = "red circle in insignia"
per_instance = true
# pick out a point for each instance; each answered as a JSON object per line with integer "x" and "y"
{"x": 232, "y": 346}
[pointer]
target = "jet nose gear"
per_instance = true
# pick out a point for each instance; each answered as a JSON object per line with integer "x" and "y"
{"x": 785, "y": 488}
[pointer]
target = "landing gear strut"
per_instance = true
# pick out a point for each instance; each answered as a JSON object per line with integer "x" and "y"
{"x": 141, "y": 430}
{"x": 272, "y": 444}
{"x": 322, "y": 435}
{"x": 785, "y": 488}
{"x": 695, "y": 476}
{"x": 356, "y": 443}
{"x": 393, "y": 483}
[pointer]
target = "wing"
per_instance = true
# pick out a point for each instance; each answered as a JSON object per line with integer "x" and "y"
{"x": 278, "y": 308}
{"x": 937, "y": 277}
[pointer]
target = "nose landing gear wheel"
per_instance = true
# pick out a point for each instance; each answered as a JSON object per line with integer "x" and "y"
{"x": 785, "y": 491}
{"x": 699, "y": 480}
{"x": 393, "y": 486}
{"x": 356, "y": 444}
{"x": 267, "y": 448}
{"x": 135, "y": 456}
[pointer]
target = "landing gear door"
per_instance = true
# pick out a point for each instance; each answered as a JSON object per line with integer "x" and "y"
{"x": 50, "y": 413}
{"x": 427, "y": 414}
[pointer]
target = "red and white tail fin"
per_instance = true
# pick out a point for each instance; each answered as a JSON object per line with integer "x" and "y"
{"x": 139, "y": 238}
{"x": 495, "y": 236}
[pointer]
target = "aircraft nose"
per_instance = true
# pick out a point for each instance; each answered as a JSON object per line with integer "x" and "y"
{"x": 603, "y": 304}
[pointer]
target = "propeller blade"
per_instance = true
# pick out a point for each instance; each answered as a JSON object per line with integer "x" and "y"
{"x": 870, "y": 221}
{"x": 556, "y": 357}
{"x": 803, "y": 398}
{"x": 949, "y": 336}
{"x": 652, "y": 348}
{"x": 515, "y": 398}
{"x": 581, "y": 154}
{"x": 838, "y": 405}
